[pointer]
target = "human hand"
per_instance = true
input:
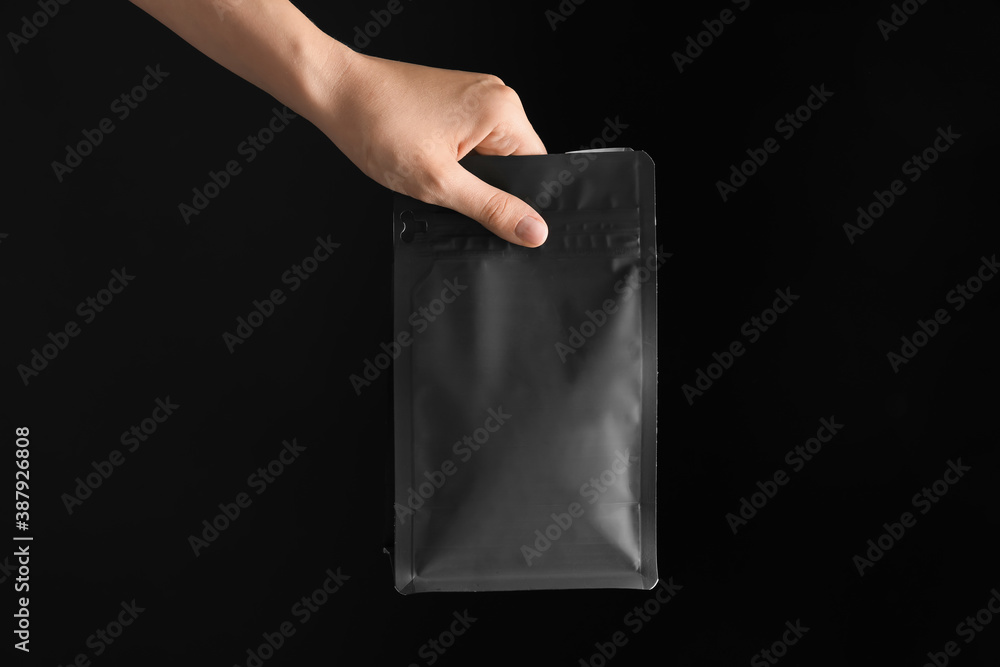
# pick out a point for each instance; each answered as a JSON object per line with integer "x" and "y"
{"x": 404, "y": 125}
{"x": 407, "y": 126}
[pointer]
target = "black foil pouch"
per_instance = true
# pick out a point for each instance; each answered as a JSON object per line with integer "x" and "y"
{"x": 525, "y": 387}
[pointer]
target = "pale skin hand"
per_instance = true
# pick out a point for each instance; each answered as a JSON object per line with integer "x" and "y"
{"x": 406, "y": 126}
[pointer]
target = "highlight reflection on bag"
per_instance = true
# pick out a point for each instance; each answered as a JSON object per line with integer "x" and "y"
{"x": 525, "y": 403}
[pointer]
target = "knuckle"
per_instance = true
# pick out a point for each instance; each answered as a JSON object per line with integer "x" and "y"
{"x": 504, "y": 138}
{"x": 495, "y": 209}
{"x": 508, "y": 95}
{"x": 493, "y": 80}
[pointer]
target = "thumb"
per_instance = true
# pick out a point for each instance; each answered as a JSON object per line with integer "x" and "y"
{"x": 500, "y": 212}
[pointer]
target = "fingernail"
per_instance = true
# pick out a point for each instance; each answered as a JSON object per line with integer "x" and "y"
{"x": 531, "y": 230}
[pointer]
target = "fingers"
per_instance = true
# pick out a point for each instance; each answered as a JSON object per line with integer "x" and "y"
{"x": 531, "y": 144}
{"x": 502, "y": 141}
{"x": 502, "y": 213}
{"x": 512, "y": 134}
{"x": 528, "y": 141}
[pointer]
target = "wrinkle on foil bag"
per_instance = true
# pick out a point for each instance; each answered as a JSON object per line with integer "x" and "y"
{"x": 525, "y": 387}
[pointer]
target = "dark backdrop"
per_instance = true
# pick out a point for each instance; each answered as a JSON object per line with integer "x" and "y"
{"x": 887, "y": 93}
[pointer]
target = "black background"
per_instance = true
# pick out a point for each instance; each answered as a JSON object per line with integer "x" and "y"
{"x": 826, "y": 357}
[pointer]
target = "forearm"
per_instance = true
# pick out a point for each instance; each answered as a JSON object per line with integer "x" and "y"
{"x": 404, "y": 125}
{"x": 270, "y": 43}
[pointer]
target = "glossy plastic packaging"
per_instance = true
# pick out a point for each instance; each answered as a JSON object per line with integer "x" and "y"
{"x": 525, "y": 384}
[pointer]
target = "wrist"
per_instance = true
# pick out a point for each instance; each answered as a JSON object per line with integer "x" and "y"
{"x": 323, "y": 79}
